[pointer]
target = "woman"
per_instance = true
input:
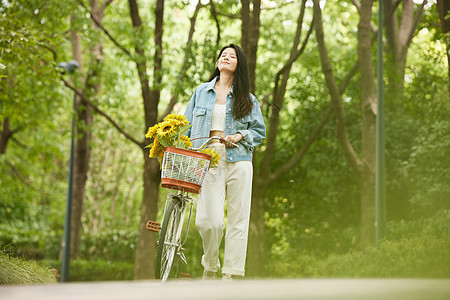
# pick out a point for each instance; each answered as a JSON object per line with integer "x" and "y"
{"x": 224, "y": 107}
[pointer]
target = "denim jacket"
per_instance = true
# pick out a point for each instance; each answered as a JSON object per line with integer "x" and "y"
{"x": 198, "y": 113}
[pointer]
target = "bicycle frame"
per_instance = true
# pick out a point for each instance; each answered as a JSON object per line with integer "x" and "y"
{"x": 185, "y": 199}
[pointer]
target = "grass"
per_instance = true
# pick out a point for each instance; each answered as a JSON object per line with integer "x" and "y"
{"x": 19, "y": 271}
{"x": 96, "y": 270}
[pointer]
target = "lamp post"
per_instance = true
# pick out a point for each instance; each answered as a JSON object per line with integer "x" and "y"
{"x": 380, "y": 189}
{"x": 69, "y": 68}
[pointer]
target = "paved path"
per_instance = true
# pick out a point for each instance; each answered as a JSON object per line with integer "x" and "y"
{"x": 348, "y": 289}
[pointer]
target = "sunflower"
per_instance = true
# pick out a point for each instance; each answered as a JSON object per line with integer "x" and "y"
{"x": 180, "y": 119}
{"x": 167, "y": 128}
{"x": 160, "y": 156}
{"x": 151, "y": 131}
{"x": 155, "y": 151}
{"x": 215, "y": 156}
{"x": 186, "y": 141}
{"x": 168, "y": 133}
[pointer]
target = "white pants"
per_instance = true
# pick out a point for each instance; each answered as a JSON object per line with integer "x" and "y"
{"x": 233, "y": 181}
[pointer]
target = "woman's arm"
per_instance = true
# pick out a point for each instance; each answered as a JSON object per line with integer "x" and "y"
{"x": 190, "y": 111}
{"x": 256, "y": 131}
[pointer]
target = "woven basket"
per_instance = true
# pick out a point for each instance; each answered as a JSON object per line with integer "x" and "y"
{"x": 184, "y": 169}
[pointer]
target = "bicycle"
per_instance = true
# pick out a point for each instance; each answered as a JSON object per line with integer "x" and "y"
{"x": 182, "y": 170}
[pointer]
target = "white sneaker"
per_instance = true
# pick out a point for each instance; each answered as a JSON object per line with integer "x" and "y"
{"x": 227, "y": 277}
{"x": 209, "y": 274}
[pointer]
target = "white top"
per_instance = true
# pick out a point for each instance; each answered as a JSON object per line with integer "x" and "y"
{"x": 218, "y": 117}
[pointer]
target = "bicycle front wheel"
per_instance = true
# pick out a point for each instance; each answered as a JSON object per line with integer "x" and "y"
{"x": 169, "y": 239}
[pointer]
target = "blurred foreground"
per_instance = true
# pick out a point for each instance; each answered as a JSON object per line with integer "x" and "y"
{"x": 239, "y": 289}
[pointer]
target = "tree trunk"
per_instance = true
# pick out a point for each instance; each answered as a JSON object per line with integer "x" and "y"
{"x": 364, "y": 167}
{"x": 246, "y": 23}
{"x": 81, "y": 154}
{"x": 145, "y": 250}
{"x": 257, "y": 240}
{"x": 444, "y": 11}
{"x": 5, "y": 135}
{"x": 369, "y": 110}
{"x": 5, "y": 131}
{"x": 249, "y": 43}
{"x": 399, "y": 37}
{"x": 257, "y": 250}
{"x": 84, "y": 122}
{"x": 252, "y": 49}
{"x": 249, "y": 37}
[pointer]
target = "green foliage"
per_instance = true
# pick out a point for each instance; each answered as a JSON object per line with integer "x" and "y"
{"x": 415, "y": 257}
{"x": 19, "y": 271}
{"x": 312, "y": 212}
{"x": 412, "y": 250}
{"x": 114, "y": 245}
{"x": 96, "y": 270}
{"x": 30, "y": 241}
{"x": 429, "y": 158}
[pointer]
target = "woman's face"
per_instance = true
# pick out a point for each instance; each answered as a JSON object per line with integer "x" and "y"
{"x": 227, "y": 61}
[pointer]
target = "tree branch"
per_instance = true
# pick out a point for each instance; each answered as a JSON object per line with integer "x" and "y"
{"x": 19, "y": 143}
{"x": 185, "y": 65}
{"x": 415, "y": 23}
{"x": 301, "y": 153}
{"x": 230, "y": 16}
{"x": 336, "y": 100}
{"x": 106, "y": 3}
{"x": 279, "y": 90}
{"x": 357, "y": 4}
{"x": 104, "y": 30}
{"x": 214, "y": 14}
{"x": 406, "y": 23}
{"x": 99, "y": 111}
{"x": 295, "y": 53}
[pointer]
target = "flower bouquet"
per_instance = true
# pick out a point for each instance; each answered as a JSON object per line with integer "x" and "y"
{"x": 182, "y": 168}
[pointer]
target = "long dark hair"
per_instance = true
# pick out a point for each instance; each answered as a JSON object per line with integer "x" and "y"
{"x": 242, "y": 104}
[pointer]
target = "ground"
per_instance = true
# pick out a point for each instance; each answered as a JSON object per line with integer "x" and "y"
{"x": 348, "y": 289}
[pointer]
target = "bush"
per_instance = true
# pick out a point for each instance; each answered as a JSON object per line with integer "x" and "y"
{"x": 413, "y": 249}
{"x": 418, "y": 257}
{"x": 96, "y": 270}
{"x": 35, "y": 243}
{"x": 14, "y": 270}
{"x": 114, "y": 245}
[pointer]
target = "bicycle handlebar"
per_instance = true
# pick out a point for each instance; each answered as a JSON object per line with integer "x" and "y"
{"x": 221, "y": 139}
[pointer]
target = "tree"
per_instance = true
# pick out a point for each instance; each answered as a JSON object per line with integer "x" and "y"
{"x": 84, "y": 117}
{"x": 444, "y": 11}
{"x": 27, "y": 48}
{"x": 150, "y": 93}
{"x": 399, "y": 40}
{"x": 400, "y": 30}
{"x": 250, "y": 36}
{"x": 364, "y": 167}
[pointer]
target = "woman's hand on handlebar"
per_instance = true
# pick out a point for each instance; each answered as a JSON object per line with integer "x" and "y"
{"x": 234, "y": 138}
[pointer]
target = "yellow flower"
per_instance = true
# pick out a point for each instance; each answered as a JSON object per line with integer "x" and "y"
{"x": 160, "y": 156}
{"x": 181, "y": 119}
{"x": 167, "y": 129}
{"x": 186, "y": 141}
{"x": 215, "y": 156}
{"x": 155, "y": 151}
{"x": 151, "y": 131}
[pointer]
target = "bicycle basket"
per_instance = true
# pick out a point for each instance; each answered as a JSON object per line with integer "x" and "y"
{"x": 184, "y": 169}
